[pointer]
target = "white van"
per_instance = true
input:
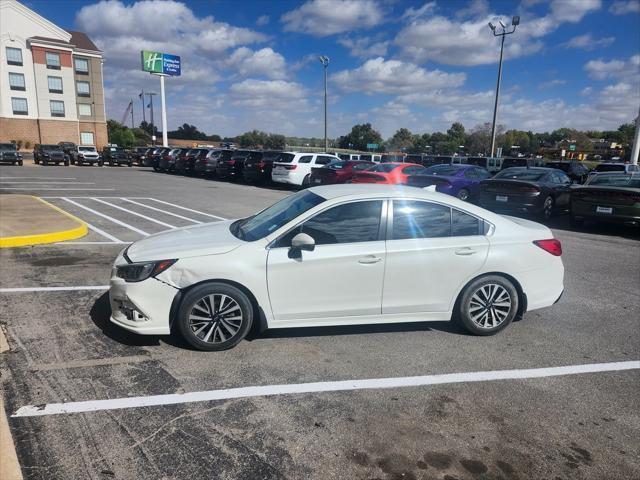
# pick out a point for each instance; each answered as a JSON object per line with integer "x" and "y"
{"x": 371, "y": 157}
{"x": 295, "y": 168}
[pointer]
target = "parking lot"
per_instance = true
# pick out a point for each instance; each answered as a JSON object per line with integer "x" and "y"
{"x": 63, "y": 349}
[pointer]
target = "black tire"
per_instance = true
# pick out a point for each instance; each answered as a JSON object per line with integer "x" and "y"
{"x": 306, "y": 181}
{"x": 100, "y": 163}
{"x": 66, "y": 163}
{"x": 129, "y": 164}
{"x": 463, "y": 194}
{"x": 475, "y": 312}
{"x": 194, "y": 298}
{"x": 19, "y": 163}
{"x": 36, "y": 161}
{"x": 45, "y": 163}
{"x": 547, "y": 208}
{"x": 113, "y": 164}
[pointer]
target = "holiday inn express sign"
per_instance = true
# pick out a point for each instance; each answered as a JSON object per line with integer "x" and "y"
{"x": 160, "y": 63}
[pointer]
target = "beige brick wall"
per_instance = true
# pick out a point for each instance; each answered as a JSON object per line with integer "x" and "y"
{"x": 54, "y": 131}
{"x": 18, "y": 129}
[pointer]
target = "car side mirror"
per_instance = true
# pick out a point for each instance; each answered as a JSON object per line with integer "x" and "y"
{"x": 302, "y": 241}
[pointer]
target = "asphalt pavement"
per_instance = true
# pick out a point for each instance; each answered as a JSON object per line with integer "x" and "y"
{"x": 63, "y": 349}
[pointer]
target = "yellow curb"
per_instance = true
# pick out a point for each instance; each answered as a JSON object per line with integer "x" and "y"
{"x": 49, "y": 237}
{"x": 9, "y": 465}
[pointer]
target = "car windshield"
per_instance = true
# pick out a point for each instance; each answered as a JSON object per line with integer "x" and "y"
{"x": 446, "y": 170}
{"x": 527, "y": 175}
{"x": 286, "y": 158}
{"x": 610, "y": 168}
{"x": 629, "y": 181}
{"x": 7, "y": 146}
{"x": 565, "y": 167}
{"x": 51, "y": 147}
{"x": 274, "y": 217}
{"x": 383, "y": 167}
{"x": 86, "y": 149}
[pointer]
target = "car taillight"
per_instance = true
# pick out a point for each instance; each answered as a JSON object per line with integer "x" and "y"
{"x": 528, "y": 189}
{"x": 290, "y": 167}
{"x": 551, "y": 245}
{"x": 261, "y": 164}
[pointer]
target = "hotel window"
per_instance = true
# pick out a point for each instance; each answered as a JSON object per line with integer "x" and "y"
{"x": 16, "y": 81}
{"x": 57, "y": 108}
{"x": 86, "y": 138}
{"x": 14, "y": 56}
{"x": 19, "y": 106}
{"x": 84, "y": 109}
{"x": 81, "y": 66}
{"x": 83, "y": 89}
{"x": 55, "y": 84}
{"x": 53, "y": 60}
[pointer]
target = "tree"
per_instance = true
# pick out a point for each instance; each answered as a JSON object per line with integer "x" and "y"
{"x": 401, "y": 140}
{"x": 421, "y": 143}
{"x": 119, "y": 134}
{"x": 439, "y": 142}
{"x": 187, "y": 132}
{"x": 456, "y": 136}
{"x": 146, "y": 126}
{"x": 359, "y": 137}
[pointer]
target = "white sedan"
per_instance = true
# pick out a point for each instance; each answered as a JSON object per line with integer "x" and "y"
{"x": 338, "y": 255}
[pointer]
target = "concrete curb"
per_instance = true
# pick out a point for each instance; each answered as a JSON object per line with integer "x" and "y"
{"x": 47, "y": 237}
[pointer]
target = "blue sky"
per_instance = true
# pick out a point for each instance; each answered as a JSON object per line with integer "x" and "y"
{"x": 415, "y": 64}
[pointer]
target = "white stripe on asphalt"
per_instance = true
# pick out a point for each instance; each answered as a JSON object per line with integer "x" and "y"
{"x": 90, "y": 243}
{"x": 114, "y": 220}
{"x": 103, "y": 233}
{"x": 185, "y": 208}
{"x": 133, "y": 213}
{"x": 38, "y": 178}
{"x": 157, "y": 209}
{"x": 345, "y": 385}
{"x": 52, "y": 289}
{"x": 50, "y": 183}
{"x": 44, "y": 188}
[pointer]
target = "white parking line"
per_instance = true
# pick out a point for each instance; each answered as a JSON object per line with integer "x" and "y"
{"x": 52, "y": 289}
{"x": 133, "y": 213}
{"x": 114, "y": 220}
{"x": 158, "y": 209}
{"x": 90, "y": 243}
{"x": 39, "y": 178}
{"x": 44, "y": 188}
{"x": 184, "y": 208}
{"x": 50, "y": 183}
{"x": 316, "y": 387}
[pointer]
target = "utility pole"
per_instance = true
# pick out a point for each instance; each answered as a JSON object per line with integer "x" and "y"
{"x": 325, "y": 63}
{"x": 636, "y": 142}
{"x": 515, "y": 21}
{"x": 132, "y": 124}
{"x": 144, "y": 117}
{"x": 153, "y": 130}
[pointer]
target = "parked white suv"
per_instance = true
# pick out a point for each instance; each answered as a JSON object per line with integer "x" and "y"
{"x": 295, "y": 168}
{"x": 85, "y": 154}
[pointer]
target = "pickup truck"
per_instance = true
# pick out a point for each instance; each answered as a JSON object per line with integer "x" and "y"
{"x": 9, "y": 153}
{"x": 85, "y": 154}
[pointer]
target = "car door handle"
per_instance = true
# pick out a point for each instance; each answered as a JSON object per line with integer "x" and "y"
{"x": 370, "y": 259}
{"x": 465, "y": 251}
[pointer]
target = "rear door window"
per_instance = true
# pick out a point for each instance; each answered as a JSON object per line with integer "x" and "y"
{"x": 305, "y": 159}
{"x": 415, "y": 219}
{"x": 323, "y": 160}
{"x": 463, "y": 224}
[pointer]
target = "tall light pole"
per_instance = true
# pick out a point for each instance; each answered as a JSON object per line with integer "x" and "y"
{"x": 503, "y": 32}
{"x": 636, "y": 142}
{"x": 325, "y": 62}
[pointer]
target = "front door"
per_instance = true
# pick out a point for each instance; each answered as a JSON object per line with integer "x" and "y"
{"x": 432, "y": 251}
{"x": 342, "y": 276}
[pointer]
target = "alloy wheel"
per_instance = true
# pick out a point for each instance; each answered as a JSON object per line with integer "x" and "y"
{"x": 215, "y": 318}
{"x": 547, "y": 208}
{"x": 489, "y": 306}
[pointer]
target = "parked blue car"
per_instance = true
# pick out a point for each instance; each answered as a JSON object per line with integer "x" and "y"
{"x": 462, "y": 181}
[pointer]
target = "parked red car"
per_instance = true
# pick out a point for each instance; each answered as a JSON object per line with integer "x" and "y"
{"x": 338, "y": 172}
{"x": 392, "y": 173}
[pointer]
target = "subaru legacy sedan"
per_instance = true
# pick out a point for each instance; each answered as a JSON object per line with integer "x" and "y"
{"x": 338, "y": 255}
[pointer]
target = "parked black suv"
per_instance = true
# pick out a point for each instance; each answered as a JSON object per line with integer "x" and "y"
{"x": 522, "y": 162}
{"x": 9, "y": 154}
{"x": 576, "y": 171}
{"x": 49, "y": 154}
{"x": 67, "y": 147}
{"x": 232, "y": 168}
{"x": 116, "y": 156}
{"x": 138, "y": 154}
{"x": 258, "y": 166}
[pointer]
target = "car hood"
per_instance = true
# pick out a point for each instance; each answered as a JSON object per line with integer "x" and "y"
{"x": 53, "y": 152}
{"x": 206, "y": 239}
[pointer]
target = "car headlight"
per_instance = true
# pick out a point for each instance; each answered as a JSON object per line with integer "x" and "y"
{"x": 137, "y": 272}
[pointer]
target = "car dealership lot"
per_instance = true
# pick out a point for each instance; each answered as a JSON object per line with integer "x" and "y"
{"x": 63, "y": 349}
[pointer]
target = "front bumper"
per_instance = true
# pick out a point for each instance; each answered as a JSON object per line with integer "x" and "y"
{"x": 142, "y": 307}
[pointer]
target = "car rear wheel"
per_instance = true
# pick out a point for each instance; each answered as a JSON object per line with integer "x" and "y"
{"x": 463, "y": 194}
{"x": 100, "y": 163}
{"x": 547, "y": 208}
{"x": 488, "y": 305}
{"x": 215, "y": 316}
{"x": 20, "y": 163}
{"x": 307, "y": 181}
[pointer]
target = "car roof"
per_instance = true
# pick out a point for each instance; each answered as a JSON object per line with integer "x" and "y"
{"x": 370, "y": 189}
{"x": 529, "y": 169}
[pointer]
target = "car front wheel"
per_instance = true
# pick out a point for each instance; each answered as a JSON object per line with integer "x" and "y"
{"x": 463, "y": 194}
{"x": 488, "y": 305}
{"x": 215, "y": 316}
{"x": 547, "y": 208}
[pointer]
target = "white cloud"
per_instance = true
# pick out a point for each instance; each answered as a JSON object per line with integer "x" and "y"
{"x": 414, "y": 13}
{"x": 622, "y": 7}
{"x": 600, "y": 69}
{"x": 393, "y": 76}
{"x": 328, "y": 17}
{"x": 264, "y": 62}
{"x": 551, "y": 83}
{"x": 469, "y": 42}
{"x": 586, "y": 91}
{"x": 588, "y": 42}
{"x": 365, "y": 47}
{"x": 263, "y": 20}
{"x": 268, "y": 94}
{"x": 475, "y": 8}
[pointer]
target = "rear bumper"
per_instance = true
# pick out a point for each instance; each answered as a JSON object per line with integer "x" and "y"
{"x": 627, "y": 215}
{"x": 526, "y": 206}
{"x": 256, "y": 175}
{"x": 204, "y": 168}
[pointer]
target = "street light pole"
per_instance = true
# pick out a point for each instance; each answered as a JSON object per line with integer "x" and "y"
{"x": 325, "y": 62}
{"x": 515, "y": 21}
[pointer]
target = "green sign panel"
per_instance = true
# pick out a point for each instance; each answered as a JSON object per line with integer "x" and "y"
{"x": 572, "y": 147}
{"x": 372, "y": 146}
{"x": 161, "y": 63}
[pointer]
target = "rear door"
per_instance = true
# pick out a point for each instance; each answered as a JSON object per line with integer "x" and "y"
{"x": 432, "y": 251}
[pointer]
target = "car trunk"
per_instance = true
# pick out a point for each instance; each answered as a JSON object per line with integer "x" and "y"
{"x": 369, "y": 178}
{"x": 426, "y": 180}
{"x": 619, "y": 196}
{"x": 324, "y": 175}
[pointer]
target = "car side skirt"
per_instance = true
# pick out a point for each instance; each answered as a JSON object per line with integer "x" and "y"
{"x": 362, "y": 320}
